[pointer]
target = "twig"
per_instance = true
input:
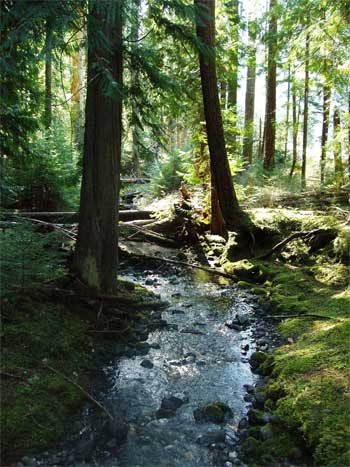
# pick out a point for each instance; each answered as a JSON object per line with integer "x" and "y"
{"x": 86, "y": 394}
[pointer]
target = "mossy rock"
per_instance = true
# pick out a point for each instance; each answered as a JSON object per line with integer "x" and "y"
{"x": 259, "y": 291}
{"x": 244, "y": 284}
{"x": 257, "y": 359}
{"x": 267, "y": 366}
{"x": 216, "y": 412}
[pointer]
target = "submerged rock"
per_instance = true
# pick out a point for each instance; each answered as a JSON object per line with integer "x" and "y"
{"x": 216, "y": 412}
{"x": 147, "y": 364}
{"x": 211, "y": 437}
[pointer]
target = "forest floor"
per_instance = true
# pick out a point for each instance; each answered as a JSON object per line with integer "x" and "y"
{"x": 46, "y": 341}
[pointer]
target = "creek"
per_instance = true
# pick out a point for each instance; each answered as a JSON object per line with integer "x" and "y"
{"x": 190, "y": 362}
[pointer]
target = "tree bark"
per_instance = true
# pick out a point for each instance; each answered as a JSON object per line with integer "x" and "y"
{"x": 250, "y": 96}
{"x": 48, "y": 75}
{"x": 135, "y": 111}
{"x": 220, "y": 170}
{"x": 76, "y": 110}
{"x": 95, "y": 258}
{"x": 232, "y": 7}
{"x": 306, "y": 111}
{"x": 270, "y": 113}
{"x": 325, "y": 126}
{"x": 338, "y": 163}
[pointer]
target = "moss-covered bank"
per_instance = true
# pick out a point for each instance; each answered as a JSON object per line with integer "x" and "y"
{"x": 309, "y": 386}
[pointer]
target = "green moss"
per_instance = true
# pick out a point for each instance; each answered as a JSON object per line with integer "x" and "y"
{"x": 309, "y": 385}
{"x": 37, "y": 402}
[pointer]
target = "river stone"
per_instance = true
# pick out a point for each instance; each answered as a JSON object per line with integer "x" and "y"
{"x": 216, "y": 412}
{"x": 211, "y": 437}
{"x": 243, "y": 423}
{"x": 171, "y": 403}
{"x": 242, "y": 319}
{"x": 147, "y": 364}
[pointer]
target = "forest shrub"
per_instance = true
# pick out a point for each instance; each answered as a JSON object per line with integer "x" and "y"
{"x": 27, "y": 258}
{"x": 167, "y": 173}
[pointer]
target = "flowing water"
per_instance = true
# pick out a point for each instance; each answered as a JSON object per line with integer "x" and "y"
{"x": 195, "y": 358}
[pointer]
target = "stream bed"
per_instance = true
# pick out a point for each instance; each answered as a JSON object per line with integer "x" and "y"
{"x": 200, "y": 355}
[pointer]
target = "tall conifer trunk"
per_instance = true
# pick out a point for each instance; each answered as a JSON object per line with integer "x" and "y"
{"x": 135, "y": 117}
{"x": 295, "y": 124}
{"x": 325, "y": 126}
{"x": 306, "y": 111}
{"x": 220, "y": 170}
{"x": 48, "y": 75}
{"x": 338, "y": 163}
{"x": 250, "y": 96}
{"x": 95, "y": 258}
{"x": 286, "y": 135}
{"x": 270, "y": 113}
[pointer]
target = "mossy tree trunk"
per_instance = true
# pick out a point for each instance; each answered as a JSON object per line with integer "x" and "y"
{"x": 221, "y": 178}
{"x": 95, "y": 258}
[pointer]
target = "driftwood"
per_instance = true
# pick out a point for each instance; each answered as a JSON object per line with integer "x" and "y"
{"x": 86, "y": 394}
{"x": 311, "y": 316}
{"x": 317, "y": 238}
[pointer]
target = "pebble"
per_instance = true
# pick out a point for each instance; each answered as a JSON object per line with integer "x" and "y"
{"x": 228, "y": 464}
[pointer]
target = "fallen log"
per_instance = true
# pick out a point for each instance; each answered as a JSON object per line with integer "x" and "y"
{"x": 72, "y": 216}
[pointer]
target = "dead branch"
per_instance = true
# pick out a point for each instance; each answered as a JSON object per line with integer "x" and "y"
{"x": 86, "y": 394}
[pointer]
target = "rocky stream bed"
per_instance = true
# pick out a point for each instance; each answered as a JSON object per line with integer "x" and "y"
{"x": 184, "y": 395}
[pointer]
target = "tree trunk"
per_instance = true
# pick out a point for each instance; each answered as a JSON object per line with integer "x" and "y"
{"x": 95, "y": 258}
{"x": 270, "y": 114}
{"x": 295, "y": 128}
{"x": 232, "y": 7}
{"x": 135, "y": 117}
{"x": 306, "y": 112}
{"x": 250, "y": 96}
{"x": 48, "y": 75}
{"x": 286, "y": 136}
{"x": 260, "y": 148}
{"x": 76, "y": 110}
{"x": 349, "y": 135}
{"x": 338, "y": 163}
{"x": 325, "y": 126}
{"x": 220, "y": 169}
